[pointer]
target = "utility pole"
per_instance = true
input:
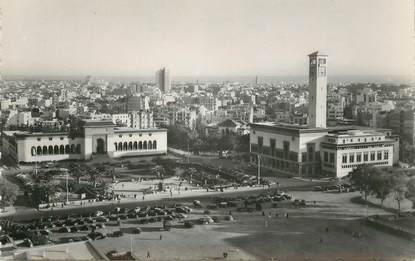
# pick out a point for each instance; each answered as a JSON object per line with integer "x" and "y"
{"x": 67, "y": 188}
{"x": 259, "y": 169}
{"x": 188, "y": 151}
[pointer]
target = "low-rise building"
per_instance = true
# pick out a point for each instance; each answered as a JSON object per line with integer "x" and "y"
{"x": 96, "y": 138}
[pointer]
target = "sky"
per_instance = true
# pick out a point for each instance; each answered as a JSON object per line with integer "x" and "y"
{"x": 205, "y": 37}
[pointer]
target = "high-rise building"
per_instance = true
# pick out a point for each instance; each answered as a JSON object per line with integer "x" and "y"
{"x": 317, "y": 106}
{"x": 163, "y": 80}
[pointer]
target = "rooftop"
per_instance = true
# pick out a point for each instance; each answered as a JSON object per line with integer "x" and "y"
{"x": 97, "y": 123}
{"x": 306, "y": 129}
{"x": 317, "y": 53}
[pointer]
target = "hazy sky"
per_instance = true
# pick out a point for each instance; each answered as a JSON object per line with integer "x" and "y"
{"x": 205, "y": 37}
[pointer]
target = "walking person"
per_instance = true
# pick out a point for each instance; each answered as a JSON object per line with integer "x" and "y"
{"x": 161, "y": 237}
{"x": 148, "y": 254}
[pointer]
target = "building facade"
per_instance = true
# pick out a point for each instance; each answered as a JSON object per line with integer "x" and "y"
{"x": 315, "y": 150}
{"x": 344, "y": 151}
{"x": 96, "y": 138}
{"x": 163, "y": 80}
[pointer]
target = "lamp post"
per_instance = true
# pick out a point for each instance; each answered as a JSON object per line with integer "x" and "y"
{"x": 67, "y": 188}
{"x": 259, "y": 170}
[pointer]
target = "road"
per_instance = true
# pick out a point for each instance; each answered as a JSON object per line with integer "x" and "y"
{"x": 26, "y": 214}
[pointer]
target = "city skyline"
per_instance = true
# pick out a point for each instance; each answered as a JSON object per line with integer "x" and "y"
{"x": 266, "y": 38}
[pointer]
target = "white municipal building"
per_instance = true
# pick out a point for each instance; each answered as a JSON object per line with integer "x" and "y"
{"x": 315, "y": 149}
{"x": 96, "y": 138}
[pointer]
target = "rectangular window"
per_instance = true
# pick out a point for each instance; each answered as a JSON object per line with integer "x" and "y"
{"x": 351, "y": 158}
{"x": 50, "y": 138}
{"x": 359, "y": 157}
{"x": 326, "y": 156}
{"x": 331, "y": 157}
{"x": 38, "y": 139}
{"x": 366, "y": 156}
{"x": 344, "y": 158}
{"x": 386, "y": 155}
{"x": 310, "y": 151}
{"x": 272, "y": 144}
{"x": 379, "y": 156}
{"x": 372, "y": 156}
{"x": 260, "y": 141}
{"x": 286, "y": 146}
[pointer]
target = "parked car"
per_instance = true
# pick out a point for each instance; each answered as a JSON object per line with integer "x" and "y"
{"x": 188, "y": 224}
{"x": 118, "y": 233}
{"x": 137, "y": 230}
{"x": 84, "y": 228}
{"x": 298, "y": 202}
{"x": 45, "y": 232}
{"x": 180, "y": 216}
{"x": 102, "y": 219}
{"x": 197, "y": 203}
{"x": 96, "y": 235}
{"x": 64, "y": 230}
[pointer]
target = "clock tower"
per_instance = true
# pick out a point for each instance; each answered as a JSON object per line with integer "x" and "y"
{"x": 317, "y": 89}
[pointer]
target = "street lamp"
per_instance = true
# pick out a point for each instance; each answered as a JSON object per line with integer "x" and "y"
{"x": 67, "y": 188}
{"x": 259, "y": 169}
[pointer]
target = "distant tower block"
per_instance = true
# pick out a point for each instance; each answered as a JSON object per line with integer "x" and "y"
{"x": 317, "y": 104}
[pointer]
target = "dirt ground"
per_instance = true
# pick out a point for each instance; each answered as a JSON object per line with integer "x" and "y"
{"x": 321, "y": 232}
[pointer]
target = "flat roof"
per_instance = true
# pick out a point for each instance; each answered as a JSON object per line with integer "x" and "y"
{"x": 128, "y": 129}
{"x": 97, "y": 123}
{"x": 295, "y": 128}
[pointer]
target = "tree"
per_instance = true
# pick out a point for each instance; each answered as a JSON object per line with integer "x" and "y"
{"x": 361, "y": 178}
{"x": 8, "y": 193}
{"x": 410, "y": 193}
{"x": 242, "y": 144}
{"x": 399, "y": 188}
{"x": 76, "y": 171}
{"x": 169, "y": 166}
{"x": 94, "y": 175}
{"x": 381, "y": 186}
{"x": 41, "y": 193}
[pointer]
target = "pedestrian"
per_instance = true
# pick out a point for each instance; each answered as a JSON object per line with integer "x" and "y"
{"x": 263, "y": 213}
{"x": 161, "y": 237}
{"x": 314, "y": 203}
{"x": 225, "y": 254}
{"x": 143, "y": 197}
{"x": 286, "y": 215}
{"x": 230, "y": 213}
{"x": 327, "y": 229}
{"x": 269, "y": 214}
{"x": 148, "y": 254}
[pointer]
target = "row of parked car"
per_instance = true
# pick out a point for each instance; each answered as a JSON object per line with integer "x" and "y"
{"x": 93, "y": 221}
{"x": 345, "y": 187}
